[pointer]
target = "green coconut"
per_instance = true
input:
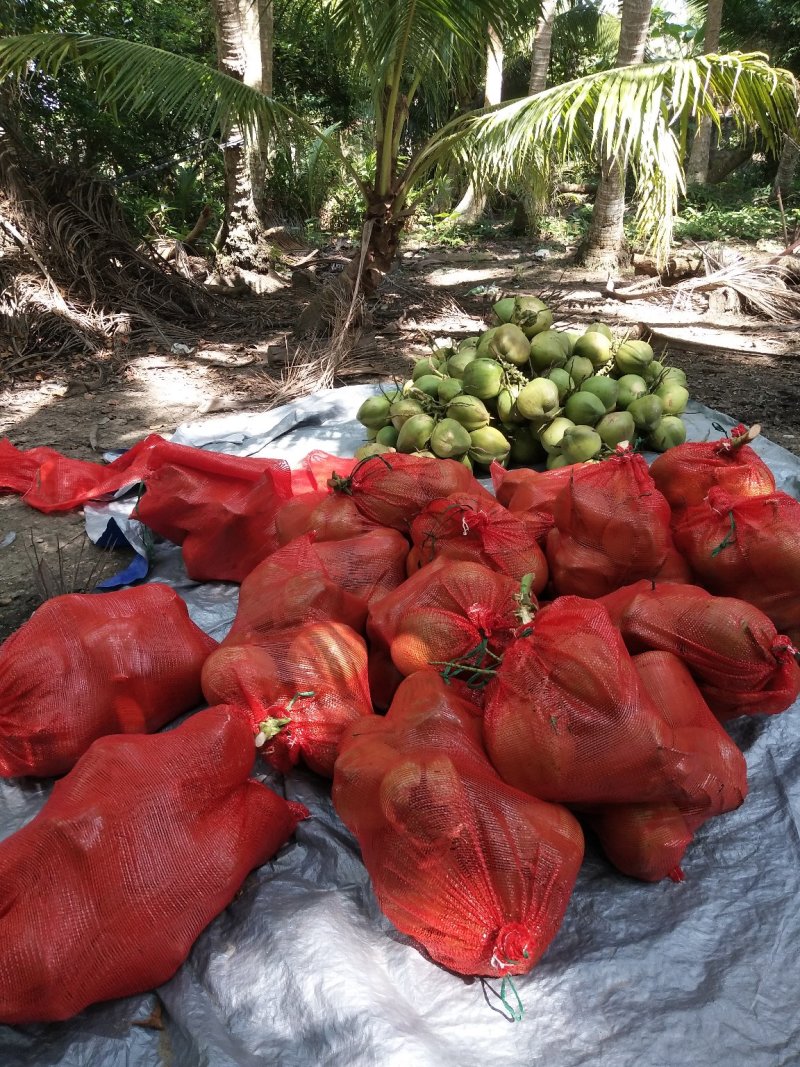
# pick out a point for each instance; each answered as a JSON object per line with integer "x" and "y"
{"x": 471, "y": 412}
{"x": 504, "y": 309}
{"x": 374, "y": 412}
{"x": 387, "y": 435}
{"x": 450, "y": 440}
{"x": 556, "y": 460}
{"x": 532, "y": 315}
{"x": 652, "y": 371}
{"x": 600, "y": 327}
{"x": 506, "y": 404}
{"x": 673, "y": 396}
{"x": 585, "y": 409}
{"x": 488, "y": 445}
{"x": 630, "y": 388}
{"x": 570, "y": 340}
{"x": 667, "y": 433}
{"x": 482, "y": 348}
{"x": 483, "y": 378}
{"x": 372, "y": 435}
{"x": 633, "y": 356}
{"x": 580, "y": 444}
{"x": 604, "y": 388}
{"x": 429, "y": 384}
{"x": 426, "y": 366}
{"x": 593, "y": 346}
{"x": 448, "y": 389}
{"x": 538, "y": 400}
{"x": 511, "y": 344}
{"x": 525, "y": 447}
{"x": 547, "y": 349}
{"x": 551, "y": 435}
{"x": 404, "y": 409}
{"x": 457, "y": 363}
{"x": 468, "y": 343}
{"x": 563, "y": 381}
{"x": 415, "y": 434}
{"x": 365, "y": 451}
{"x": 615, "y": 428}
{"x": 579, "y": 368}
{"x": 646, "y": 412}
{"x": 673, "y": 374}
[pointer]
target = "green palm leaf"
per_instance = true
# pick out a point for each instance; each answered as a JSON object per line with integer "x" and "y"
{"x": 639, "y": 114}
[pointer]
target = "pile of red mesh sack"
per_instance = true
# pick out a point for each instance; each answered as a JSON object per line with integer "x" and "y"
{"x": 87, "y": 665}
{"x": 479, "y": 873}
{"x": 135, "y": 852}
{"x": 298, "y": 688}
{"x": 742, "y": 664}
{"x": 467, "y": 527}
{"x": 612, "y": 527}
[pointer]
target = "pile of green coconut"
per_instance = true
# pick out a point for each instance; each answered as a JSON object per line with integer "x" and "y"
{"x": 522, "y": 393}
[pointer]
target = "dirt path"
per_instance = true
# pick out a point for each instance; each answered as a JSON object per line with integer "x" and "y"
{"x": 435, "y": 293}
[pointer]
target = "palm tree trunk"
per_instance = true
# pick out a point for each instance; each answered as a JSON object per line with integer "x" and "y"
{"x": 473, "y": 203}
{"x": 604, "y": 245}
{"x": 244, "y": 51}
{"x": 542, "y": 44}
{"x": 697, "y": 167}
{"x": 787, "y": 168}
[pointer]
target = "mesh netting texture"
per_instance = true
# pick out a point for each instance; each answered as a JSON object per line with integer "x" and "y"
{"x": 743, "y": 665}
{"x": 477, "y": 872}
{"x": 134, "y": 853}
{"x": 86, "y": 665}
{"x": 298, "y": 688}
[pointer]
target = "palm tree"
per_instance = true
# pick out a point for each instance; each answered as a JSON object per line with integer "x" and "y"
{"x": 639, "y": 114}
{"x": 697, "y": 167}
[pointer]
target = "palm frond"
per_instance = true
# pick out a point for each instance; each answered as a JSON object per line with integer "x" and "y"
{"x": 639, "y": 114}
{"x": 149, "y": 81}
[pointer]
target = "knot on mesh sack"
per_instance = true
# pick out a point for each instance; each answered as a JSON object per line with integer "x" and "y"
{"x": 473, "y": 520}
{"x": 486, "y": 619}
{"x": 512, "y": 945}
{"x": 277, "y": 719}
{"x": 783, "y": 648}
{"x": 475, "y": 668}
{"x": 345, "y": 485}
{"x": 624, "y": 450}
{"x": 739, "y": 435}
{"x": 729, "y": 537}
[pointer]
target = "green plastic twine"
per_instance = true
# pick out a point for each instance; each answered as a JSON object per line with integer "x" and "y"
{"x": 516, "y": 1011}
{"x": 479, "y": 673}
{"x": 729, "y": 538}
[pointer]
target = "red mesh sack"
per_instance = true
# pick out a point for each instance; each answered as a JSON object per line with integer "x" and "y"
{"x": 51, "y": 482}
{"x": 479, "y": 873}
{"x": 612, "y": 527}
{"x": 85, "y": 665}
{"x": 225, "y": 525}
{"x": 299, "y": 688}
{"x": 316, "y": 469}
{"x": 135, "y": 852}
{"x": 648, "y": 841}
{"x": 748, "y": 547}
{"x": 535, "y": 491}
{"x": 566, "y": 719}
{"x": 743, "y": 665}
{"x": 449, "y": 611}
{"x": 686, "y": 474}
{"x": 391, "y": 489}
{"x": 465, "y": 527}
{"x": 327, "y": 516}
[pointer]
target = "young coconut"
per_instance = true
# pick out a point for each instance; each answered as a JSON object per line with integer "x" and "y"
{"x": 525, "y": 448}
{"x": 615, "y": 428}
{"x": 531, "y": 315}
{"x": 374, "y": 412}
{"x": 506, "y": 404}
{"x": 511, "y": 344}
{"x": 449, "y": 388}
{"x": 595, "y": 347}
{"x": 556, "y": 460}
{"x": 488, "y": 445}
{"x": 673, "y": 396}
{"x": 404, "y": 409}
{"x": 646, "y": 412}
{"x": 633, "y": 356}
{"x": 482, "y": 349}
{"x": 450, "y": 440}
{"x": 504, "y": 309}
{"x": 585, "y": 409}
{"x": 387, "y": 435}
{"x": 580, "y": 444}
{"x": 471, "y": 412}
{"x": 415, "y": 433}
{"x": 563, "y": 381}
{"x": 547, "y": 349}
{"x": 365, "y": 451}
{"x": 483, "y": 378}
{"x": 426, "y": 365}
{"x": 667, "y": 433}
{"x": 538, "y": 400}
{"x": 457, "y": 363}
{"x": 629, "y": 388}
{"x": 552, "y": 434}
{"x": 604, "y": 388}
{"x": 600, "y": 327}
{"x": 429, "y": 384}
{"x": 579, "y": 368}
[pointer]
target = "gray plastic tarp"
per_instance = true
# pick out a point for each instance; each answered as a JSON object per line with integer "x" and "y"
{"x": 302, "y": 970}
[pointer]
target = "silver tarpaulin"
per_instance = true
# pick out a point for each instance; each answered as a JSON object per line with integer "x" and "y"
{"x": 302, "y": 970}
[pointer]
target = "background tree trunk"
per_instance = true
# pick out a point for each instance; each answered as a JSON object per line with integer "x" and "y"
{"x": 473, "y": 203}
{"x": 787, "y": 168}
{"x": 605, "y": 240}
{"x": 244, "y": 51}
{"x": 542, "y": 43}
{"x": 697, "y": 167}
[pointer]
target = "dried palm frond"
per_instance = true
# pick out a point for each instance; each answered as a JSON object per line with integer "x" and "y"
{"x": 761, "y": 286}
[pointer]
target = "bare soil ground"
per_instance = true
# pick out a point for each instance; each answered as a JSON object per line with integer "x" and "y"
{"x": 86, "y": 409}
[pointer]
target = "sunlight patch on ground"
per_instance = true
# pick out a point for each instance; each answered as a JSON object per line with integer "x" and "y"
{"x": 448, "y": 276}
